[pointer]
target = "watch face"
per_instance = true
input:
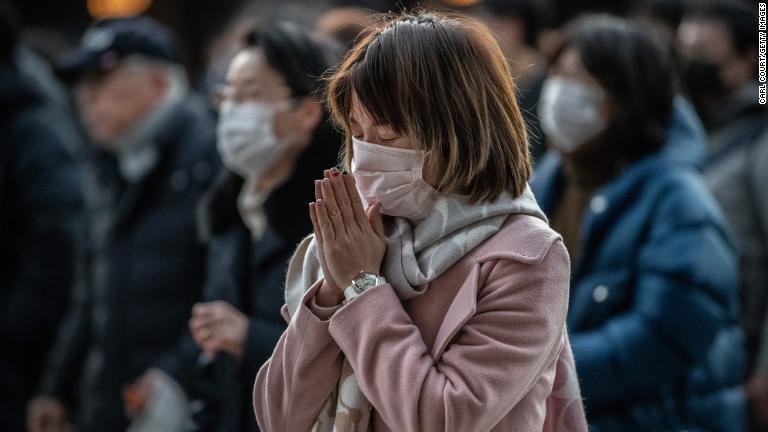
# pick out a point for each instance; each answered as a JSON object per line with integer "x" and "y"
{"x": 370, "y": 279}
{"x": 366, "y": 280}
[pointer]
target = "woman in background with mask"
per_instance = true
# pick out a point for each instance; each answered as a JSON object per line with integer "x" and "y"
{"x": 274, "y": 139}
{"x": 653, "y": 317}
{"x": 432, "y": 295}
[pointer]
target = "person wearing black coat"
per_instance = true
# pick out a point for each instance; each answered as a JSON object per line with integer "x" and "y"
{"x": 274, "y": 138}
{"x": 145, "y": 264}
{"x": 40, "y": 208}
{"x": 248, "y": 275}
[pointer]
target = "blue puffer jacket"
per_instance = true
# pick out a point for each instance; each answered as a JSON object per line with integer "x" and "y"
{"x": 653, "y": 313}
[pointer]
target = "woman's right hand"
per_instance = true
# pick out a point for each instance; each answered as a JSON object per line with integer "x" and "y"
{"x": 330, "y": 293}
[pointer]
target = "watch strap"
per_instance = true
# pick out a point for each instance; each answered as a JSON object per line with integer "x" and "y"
{"x": 350, "y": 292}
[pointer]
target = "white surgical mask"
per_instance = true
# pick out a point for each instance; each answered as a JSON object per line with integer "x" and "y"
{"x": 570, "y": 112}
{"x": 246, "y": 137}
{"x": 393, "y": 178}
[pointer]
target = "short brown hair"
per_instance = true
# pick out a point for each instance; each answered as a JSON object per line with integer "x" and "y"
{"x": 441, "y": 79}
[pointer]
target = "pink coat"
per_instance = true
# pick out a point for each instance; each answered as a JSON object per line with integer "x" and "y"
{"x": 484, "y": 349}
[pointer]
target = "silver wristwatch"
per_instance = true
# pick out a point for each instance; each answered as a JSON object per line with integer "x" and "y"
{"x": 361, "y": 283}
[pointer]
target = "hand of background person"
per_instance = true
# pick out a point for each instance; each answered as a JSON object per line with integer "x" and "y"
{"x": 47, "y": 414}
{"x": 218, "y": 326}
{"x": 349, "y": 239}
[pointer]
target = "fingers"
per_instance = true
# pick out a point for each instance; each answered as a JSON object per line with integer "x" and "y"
{"x": 313, "y": 209}
{"x": 204, "y": 338}
{"x": 211, "y": 341}
{"x": 212, "y": 346}
{"x": 197, "y": 324}
{"x": 343, "y": 200}
{"x": 318, "y": 190}
{"x": 332, "y": 208}
{"x": 204, "y": 324}
{"x": 324, "y": 221}
{"x": 315, "y": 223}
{"x": 216, "y": 310}
{"x": 374, "y": 217}
{"x": 202, "y": 310}
{"x": 355, "y": 201}
{"x": 202, "y": 315}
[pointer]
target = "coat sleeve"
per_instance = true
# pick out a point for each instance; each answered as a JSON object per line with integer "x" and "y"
{"x": 685, "y": 295}
{"x": 64, "y": 365}
{"x": 293, "y": 385}
{"x": 493, "y": 362}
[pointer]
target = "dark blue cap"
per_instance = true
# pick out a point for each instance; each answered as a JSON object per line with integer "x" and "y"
{"x": 108, "y": 41}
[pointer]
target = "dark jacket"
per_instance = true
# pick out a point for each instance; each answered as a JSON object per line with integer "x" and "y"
{"x": 250, "y": 275}
{"x": 737, "y": 174}
{"x": 40, "y": 206}
{"x": 654, "y": 313}
{"x": 145, "y": 270}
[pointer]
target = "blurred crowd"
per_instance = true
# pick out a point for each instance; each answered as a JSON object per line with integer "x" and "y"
{"x": 148, "y": 209}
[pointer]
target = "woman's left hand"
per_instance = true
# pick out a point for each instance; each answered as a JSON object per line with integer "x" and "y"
{"x": 351, "y": 240}
{"x": 218, "y": 326}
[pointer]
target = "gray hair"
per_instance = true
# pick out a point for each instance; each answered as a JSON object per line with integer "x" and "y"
{"x": 178, "y": 84}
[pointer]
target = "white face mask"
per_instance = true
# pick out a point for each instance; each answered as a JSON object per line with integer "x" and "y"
{"x": 393, "y": 178}
{"x": 246, "y": 137}
{"x": 570, "y": 112}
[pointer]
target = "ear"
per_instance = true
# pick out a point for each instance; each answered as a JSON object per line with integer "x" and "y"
{"x": 159, "y": 81}
{"x": 310, "y": 110}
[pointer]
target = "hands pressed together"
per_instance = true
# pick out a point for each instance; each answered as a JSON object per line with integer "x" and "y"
{"x": 350, "y": 240}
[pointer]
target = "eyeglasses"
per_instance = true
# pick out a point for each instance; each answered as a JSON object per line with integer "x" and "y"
{"x": 226, "y": 92}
